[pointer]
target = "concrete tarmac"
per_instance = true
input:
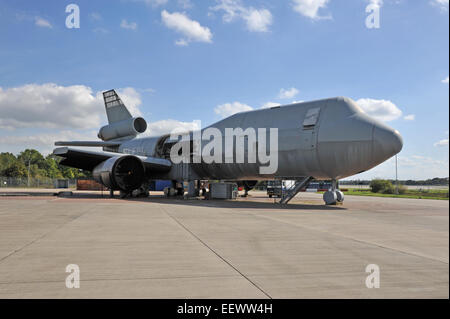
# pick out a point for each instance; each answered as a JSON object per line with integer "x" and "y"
{"x": 248, "y": 248}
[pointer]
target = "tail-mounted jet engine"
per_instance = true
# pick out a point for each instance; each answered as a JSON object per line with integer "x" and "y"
{"x": 125, "y": 173}
{"x": 128, "y": 128}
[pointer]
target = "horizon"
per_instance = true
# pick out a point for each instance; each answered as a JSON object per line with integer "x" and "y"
{"x": 348, "y": 179}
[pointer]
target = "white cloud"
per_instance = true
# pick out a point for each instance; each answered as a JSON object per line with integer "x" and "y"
{"x": 148, "y": 90}
{"x": 229, "y": 109}
{"x": 382, "y": 110}
{"x": 128, "y": 25}
{"x": 445, "y": 81}
{"x": 442, "y": 4}
{"x": 181, "y": 42}
{"x": 153, "y": 3}
{"x": 44, "y": 142}
{"x": 41, "y": 22}
{"x": 64, "y": 113}
{"x": 378, "y": 3}
{"x": 410, "y": 117}
{"x": 101, "y": 31}
{"x": 156, "y": 2}
{"x": 130, "y": 97}
{"x": 53, "y": 106}
{"x": 288, "y": 93}
{"x": 190, "y": 29}
{"x": 270, "y": 104}
{"x": 95, "y": 16}
{"x": 167, "y": 126}
{"x": 69, "y": 113}
{"x": 257, "y": 20}
{"x": 185, "y": 4}
{"x": 47, "y": 139}
{"x": 441, "y": 143}
{"x": 310, "y": 8}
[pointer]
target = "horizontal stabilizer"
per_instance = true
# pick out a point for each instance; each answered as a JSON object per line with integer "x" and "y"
{"x": 88, "y": 143}
{"x": 88, "y": 160}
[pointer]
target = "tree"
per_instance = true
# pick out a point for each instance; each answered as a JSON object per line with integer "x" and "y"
{"x": 30, "y": 157}
{"x": 381, "y": 185}
{"x": 51, "y": 167}
{"x": 32, "y": 161}
{"x": 6, "y": 159}
{"x": 16, "y": 169}
{"x": 70, "y": 172}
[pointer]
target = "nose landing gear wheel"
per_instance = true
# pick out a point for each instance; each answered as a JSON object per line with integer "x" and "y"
{"x": 339, "y": 196}
{"x": 333, "y": 197}
{"x": 330, "y": 198}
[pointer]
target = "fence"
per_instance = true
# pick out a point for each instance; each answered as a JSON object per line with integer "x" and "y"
{"x": 23, "y": 182}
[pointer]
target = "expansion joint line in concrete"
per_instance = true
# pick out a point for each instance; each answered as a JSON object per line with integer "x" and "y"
{"x": 352, "y": 239}
{"x": 215, "y": 253}
{"x": 42, "y": 236}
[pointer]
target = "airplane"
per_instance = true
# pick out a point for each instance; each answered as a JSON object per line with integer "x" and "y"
{"x": 327, "y": 139}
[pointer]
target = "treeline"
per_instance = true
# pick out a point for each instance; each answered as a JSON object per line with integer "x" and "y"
{"x": 428, "y": 182}
{"x": 386, "y": 187}
{"x": 32, "y": 162}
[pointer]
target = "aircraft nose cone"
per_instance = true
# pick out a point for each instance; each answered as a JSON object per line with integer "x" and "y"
{"x": 387, "y": 142}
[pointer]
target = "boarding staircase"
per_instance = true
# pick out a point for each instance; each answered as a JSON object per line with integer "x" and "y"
{"x": 291, "y": 192}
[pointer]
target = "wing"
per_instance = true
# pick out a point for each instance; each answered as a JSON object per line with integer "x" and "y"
{"x": 87, "y": 160}
{"x": 88, "y": 143}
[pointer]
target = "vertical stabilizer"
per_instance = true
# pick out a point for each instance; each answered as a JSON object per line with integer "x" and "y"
{"x": 116, "y": 111}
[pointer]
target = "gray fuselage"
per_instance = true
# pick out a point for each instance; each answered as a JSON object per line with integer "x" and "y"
{"x": 342, "y": 141}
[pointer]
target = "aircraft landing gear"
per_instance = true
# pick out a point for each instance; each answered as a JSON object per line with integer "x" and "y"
{"x": 330, "y": 197}
{"x": 141, "y": 191}
{"x": 340, "y": 196}
{"x": 124, "y": 194}
{"x": 177, "y": 189}
{"x": 170, "y": 192}
{"x": 333, "y": 195}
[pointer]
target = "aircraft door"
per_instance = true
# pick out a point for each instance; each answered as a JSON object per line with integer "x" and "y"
{"x": 309, "y": 129}
{"x": 308, "y": 140}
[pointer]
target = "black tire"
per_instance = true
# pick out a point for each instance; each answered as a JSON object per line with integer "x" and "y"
{"x": 123, "y": 195}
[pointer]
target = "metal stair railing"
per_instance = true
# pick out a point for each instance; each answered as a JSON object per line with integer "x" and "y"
{"x": 294, "y": 190}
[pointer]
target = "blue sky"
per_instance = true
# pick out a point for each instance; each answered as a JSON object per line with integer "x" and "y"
{"x": 176, "y": 61}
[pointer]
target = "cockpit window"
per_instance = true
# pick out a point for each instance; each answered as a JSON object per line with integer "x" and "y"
{"x": 311, "y": 118}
